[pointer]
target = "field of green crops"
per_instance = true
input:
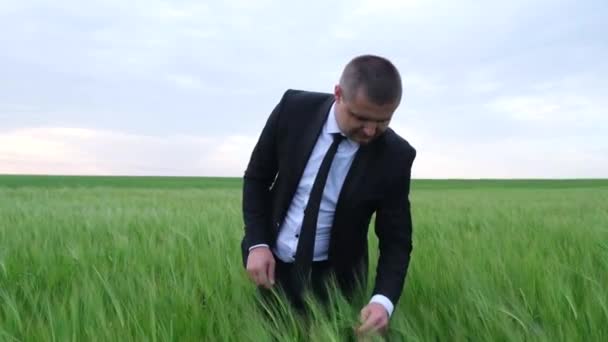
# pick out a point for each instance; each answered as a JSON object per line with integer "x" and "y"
{"x": 158, "y": 259}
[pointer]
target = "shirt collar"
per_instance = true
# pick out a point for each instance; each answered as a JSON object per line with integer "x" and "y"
{"x": 332, "y": 123}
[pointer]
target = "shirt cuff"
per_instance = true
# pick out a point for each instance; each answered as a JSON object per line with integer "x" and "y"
{"x": 260, "y": 245}
{"x": 384, "y": 301}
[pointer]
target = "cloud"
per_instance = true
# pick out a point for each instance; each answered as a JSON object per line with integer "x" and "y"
{"x": 561, "y": 104}
{"x": 186, "y": 81}
{"x": 60, "y": 150}
{"x": 540, "y": 108}
{"x": 549, "y": 156}
{"x": 422, "y": 84}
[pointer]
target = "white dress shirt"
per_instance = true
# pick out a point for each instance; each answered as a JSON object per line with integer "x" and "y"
{"x": 287, "y": 240}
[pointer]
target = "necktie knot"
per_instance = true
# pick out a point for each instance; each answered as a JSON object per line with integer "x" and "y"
{"x": 338, "y": 137}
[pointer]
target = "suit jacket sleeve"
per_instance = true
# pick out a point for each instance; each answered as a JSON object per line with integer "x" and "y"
{"x": 393, "y": 227}
{"x": 259, "y": 176}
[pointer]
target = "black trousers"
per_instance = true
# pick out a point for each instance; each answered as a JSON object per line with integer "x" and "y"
{"x": 289, "y": 284}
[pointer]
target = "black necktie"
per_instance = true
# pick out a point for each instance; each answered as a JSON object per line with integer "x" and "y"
{"x": 306, "y": 244}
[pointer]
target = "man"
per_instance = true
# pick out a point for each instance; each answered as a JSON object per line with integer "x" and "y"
{"x": 323, "y": 165}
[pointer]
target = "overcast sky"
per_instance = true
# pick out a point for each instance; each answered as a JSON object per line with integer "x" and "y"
{"x": 493, "y": 89}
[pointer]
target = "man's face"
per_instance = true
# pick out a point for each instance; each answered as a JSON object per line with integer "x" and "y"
{"x": 360, "y": 119}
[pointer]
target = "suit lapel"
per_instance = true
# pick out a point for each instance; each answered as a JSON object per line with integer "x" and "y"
{"x": 354, "y": 179}
{"x": 356, "y": 174}
{"x": 304, "y": 144}
{"x": 308, "y": 138}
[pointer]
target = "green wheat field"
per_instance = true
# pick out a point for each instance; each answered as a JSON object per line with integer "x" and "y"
{"x": 158, "y": 259}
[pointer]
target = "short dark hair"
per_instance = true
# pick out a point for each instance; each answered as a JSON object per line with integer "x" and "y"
{"x": 376, "y": 75}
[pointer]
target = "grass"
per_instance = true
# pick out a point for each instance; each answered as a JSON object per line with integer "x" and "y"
{"x": 157, "y": 259}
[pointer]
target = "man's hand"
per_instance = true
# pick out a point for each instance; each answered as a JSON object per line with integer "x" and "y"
{"x": 260, "y": 266}
{"x": 374, "y": 318}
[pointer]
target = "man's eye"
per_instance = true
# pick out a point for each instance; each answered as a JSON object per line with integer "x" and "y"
{"x": 358, "y": 117}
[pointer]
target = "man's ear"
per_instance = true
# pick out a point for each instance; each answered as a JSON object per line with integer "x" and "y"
{"x": 338, "y": 93}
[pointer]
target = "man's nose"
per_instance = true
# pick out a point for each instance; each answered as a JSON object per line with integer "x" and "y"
{"x": 369, "y": 129}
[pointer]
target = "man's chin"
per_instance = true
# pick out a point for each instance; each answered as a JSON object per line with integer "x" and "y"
{"x": 363, "y": 140}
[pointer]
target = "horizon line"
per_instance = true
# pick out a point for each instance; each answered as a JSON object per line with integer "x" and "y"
{"x": 241, "y": 177}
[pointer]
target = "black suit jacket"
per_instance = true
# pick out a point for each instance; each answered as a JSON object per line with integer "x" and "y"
{"x": 378, "y": 182}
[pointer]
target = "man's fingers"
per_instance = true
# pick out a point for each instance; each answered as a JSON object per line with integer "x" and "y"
{"x": 271, "y": 268}
{"x": 366, "y": 320}
{"x": 261, "y": 267}
{"x": 367, "y": 325}
{"x": 262, "y": 280}
{"x": 252, "y": 275}
{"x": 364, "y": 314}
{"x": 373, "y": 322}
{"x": 258, "y": 277}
